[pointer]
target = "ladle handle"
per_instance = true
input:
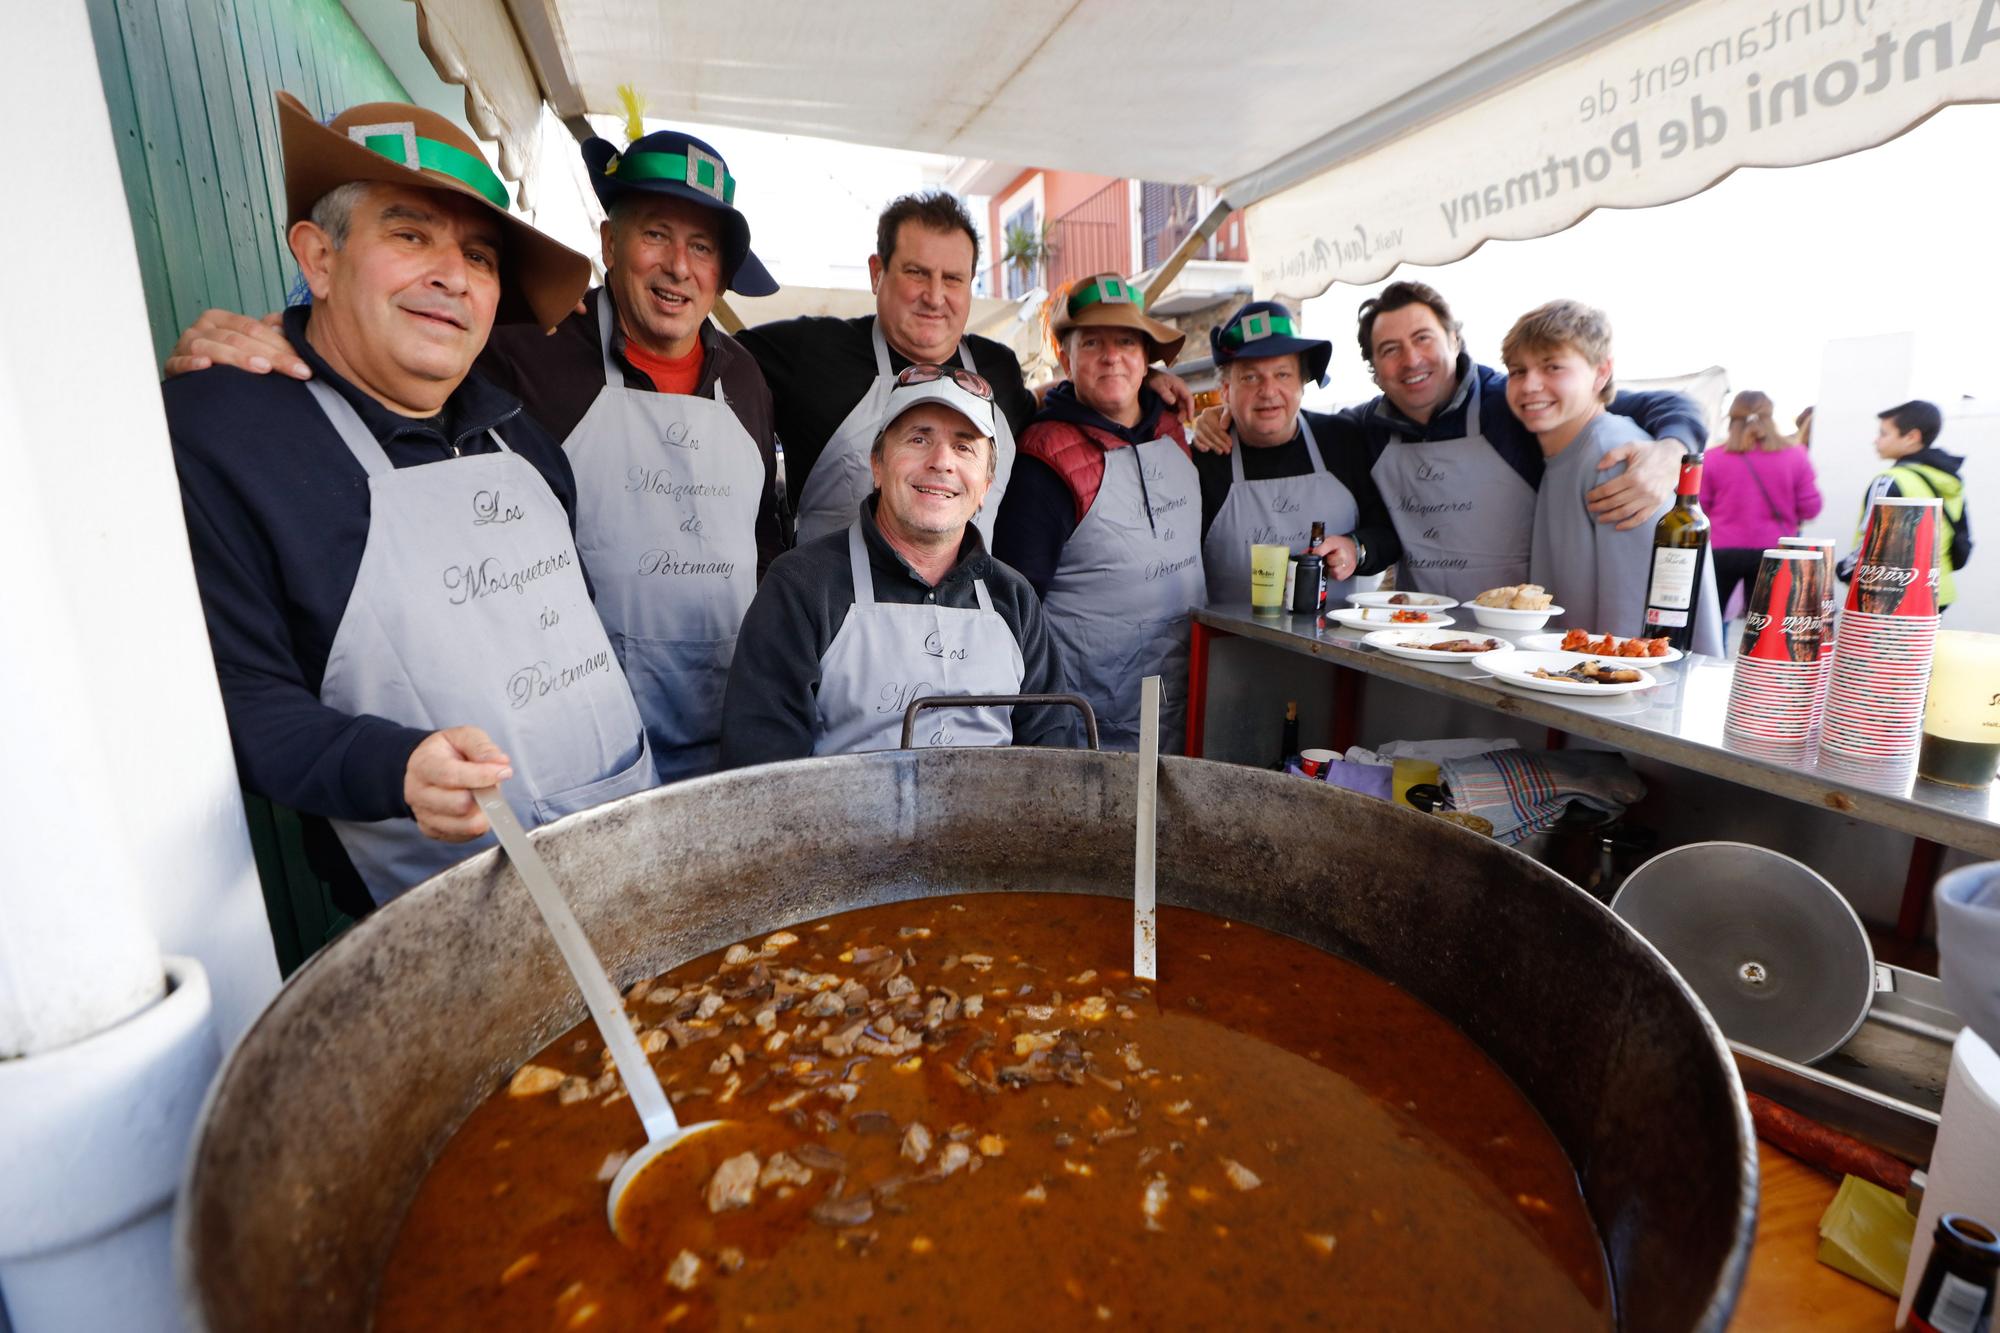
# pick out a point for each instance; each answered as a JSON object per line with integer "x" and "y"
{"x": 607, "y": 1009}
{"x": 1145, "y": 922}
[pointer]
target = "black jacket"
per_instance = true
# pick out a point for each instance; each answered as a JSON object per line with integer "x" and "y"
{"x": 818, "y": 368}
{"x": 770, "y": 707}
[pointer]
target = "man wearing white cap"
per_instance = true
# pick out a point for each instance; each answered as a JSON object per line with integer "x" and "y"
{"x": 849, "y": 628}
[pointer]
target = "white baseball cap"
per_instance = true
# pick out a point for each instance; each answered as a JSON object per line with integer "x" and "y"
{"x": 962, "y": 391}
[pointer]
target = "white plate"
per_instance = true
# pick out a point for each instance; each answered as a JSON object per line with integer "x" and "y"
{"x": 1357, "y": 617}
{"x": 1418, "y": 601}
{"x": 1518, "y": 669}
{"x": 1400, "y": 643}
{"x": 1552, "y": 643}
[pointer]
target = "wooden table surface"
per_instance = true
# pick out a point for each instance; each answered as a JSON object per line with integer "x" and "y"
{"x": 1787, "y": 1286}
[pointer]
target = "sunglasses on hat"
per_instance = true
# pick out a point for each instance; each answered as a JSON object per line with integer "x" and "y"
{"x": 923, "y": 373}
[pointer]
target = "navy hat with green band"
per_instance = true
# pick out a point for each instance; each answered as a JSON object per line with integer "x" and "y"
{"x": 1265, "y": 328}
{"x": 668, "y": 162}
{"x": 392, "y": 143}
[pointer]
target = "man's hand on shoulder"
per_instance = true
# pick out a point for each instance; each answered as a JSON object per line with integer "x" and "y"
{"x": 1211, "y": 430}
{"x": 1652, "y": 471}
{"x": 225, "y": 338}
{"x": 444, "y": 770}
{"x": 1171, "y": 387}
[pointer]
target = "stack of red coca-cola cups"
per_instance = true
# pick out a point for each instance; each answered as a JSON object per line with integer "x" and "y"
{"x": 1825, "y": 546}
{"x": 1888, "y": 631}
{"x": 1774, "y": 699}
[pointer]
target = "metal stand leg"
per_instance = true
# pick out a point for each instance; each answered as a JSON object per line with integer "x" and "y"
{"x": 1197, "y": 696}
{"x": 1346, "y": 707}
{"x": 1925, "y": 857}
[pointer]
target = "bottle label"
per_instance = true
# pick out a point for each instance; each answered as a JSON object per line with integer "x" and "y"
{"x": 1956, "y": 1308}
{"x": 1672, "y": 588}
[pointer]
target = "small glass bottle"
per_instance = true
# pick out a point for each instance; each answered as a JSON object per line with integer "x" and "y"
{"x": 1309, "y": 585}
{"x": 1955, "y": 1294}
{"x": 1288, "y": 736}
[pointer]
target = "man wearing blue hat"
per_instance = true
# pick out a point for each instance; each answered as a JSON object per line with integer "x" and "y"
{"x": 1293, "y": 468}
{"x": 665, "y": 419}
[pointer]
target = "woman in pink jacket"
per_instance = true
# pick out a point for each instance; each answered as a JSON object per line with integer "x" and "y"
{"x": 1755, "y": 489}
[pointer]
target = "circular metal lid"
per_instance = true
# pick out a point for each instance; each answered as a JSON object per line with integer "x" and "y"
{"x": 1771, "y": 948}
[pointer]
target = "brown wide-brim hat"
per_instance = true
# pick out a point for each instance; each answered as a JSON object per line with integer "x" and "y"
{"x": 541, "y": 279}
{"x": 1107, "y": 300}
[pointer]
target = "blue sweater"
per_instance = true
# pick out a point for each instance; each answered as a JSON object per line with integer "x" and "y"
{"x": 277, "y": 516}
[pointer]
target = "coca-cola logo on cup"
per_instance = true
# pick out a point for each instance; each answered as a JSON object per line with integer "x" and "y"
{"x": 1885, "y": 576}
{"x": 1756, "y": 621}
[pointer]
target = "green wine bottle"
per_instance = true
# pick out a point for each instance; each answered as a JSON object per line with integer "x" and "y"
{"x": 1680, "y": 554}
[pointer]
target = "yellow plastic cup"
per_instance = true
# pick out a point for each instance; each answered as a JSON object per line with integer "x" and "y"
{"x": 1267, "y": 578}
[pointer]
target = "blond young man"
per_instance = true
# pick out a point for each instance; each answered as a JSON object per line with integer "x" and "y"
{"x": 1559, "y": 381}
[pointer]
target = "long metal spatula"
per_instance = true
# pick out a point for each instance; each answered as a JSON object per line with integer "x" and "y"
{"x": 1145, "y": 924}
{"x": 607, "y": 1009}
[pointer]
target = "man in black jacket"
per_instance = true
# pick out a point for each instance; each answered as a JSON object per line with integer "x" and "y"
{"x": 384, "y": 553}
{"x": 852, "y": 627}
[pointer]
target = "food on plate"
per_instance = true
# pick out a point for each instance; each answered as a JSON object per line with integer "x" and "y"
{"x": 965, "y": 1112}
{"x": 1580, "y": 641}
{"x": 1517, "y": 597}
{"x": 1410, "y": 617}
{"x": 1592, "y": 672}
{"x": 1458, "y": 645}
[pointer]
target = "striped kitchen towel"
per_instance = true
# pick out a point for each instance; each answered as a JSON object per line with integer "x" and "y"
{"x": 1526, "y": 791}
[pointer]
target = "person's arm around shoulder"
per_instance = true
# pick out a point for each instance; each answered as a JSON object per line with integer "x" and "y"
{"x": 225, "y": 338}
{"x": 770, "y": 706}
{"x": 1653, "y": 468}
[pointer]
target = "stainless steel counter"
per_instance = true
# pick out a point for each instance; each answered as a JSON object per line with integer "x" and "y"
{"x": 1679, "y": 723}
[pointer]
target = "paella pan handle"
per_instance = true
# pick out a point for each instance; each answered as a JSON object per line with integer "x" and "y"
{"x": 1075, "y": 701}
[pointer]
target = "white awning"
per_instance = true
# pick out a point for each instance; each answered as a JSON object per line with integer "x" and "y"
{"x": 1655, "y": 116}
{"x": 1365, "y": 136}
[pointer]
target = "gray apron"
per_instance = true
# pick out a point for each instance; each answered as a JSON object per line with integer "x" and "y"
{"x": 840, "y": 478}
{"x": 1275, "y": 511}
{"x": 1124, "y": 587}
{"x": 887, "y": 654}
{"x": 469, "y": 609}
{"x": 667, "y": 489}
{"x": 1465, "y": 517}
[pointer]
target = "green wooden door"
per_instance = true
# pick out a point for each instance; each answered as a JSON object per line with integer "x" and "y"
{"x": 190, "y": 84}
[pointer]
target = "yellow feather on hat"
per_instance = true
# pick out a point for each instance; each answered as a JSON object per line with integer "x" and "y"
{"x": 635, "y": 113}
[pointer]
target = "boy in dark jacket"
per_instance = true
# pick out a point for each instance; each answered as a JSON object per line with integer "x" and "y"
{"x": 1919, "y": 470}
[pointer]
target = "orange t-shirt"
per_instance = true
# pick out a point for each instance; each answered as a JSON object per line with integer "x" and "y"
{"x": 679, "y": 374}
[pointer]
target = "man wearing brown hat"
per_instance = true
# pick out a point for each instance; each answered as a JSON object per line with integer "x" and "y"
{"x": 1104, "y": 517}
{"x": 666, "y": 421}
{"x": 384, "y": 552}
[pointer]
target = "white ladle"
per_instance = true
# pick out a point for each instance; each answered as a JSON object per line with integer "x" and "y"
{"x": 1145, "y": 925}
{"x": 607, "y": 1009}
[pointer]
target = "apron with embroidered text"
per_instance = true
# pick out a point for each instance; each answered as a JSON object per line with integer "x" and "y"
{"x": 1465, "y": 517}
{"x": 887, "y": 654}
{"x": 1276, "y": 511}
{"x": 667, "y": 490}
{"x": 1124, "y": 587}
{"x": 469, "y": 609}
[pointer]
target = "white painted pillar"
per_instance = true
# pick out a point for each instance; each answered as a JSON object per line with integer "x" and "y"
{"x": 124, "y": 831}
{"x": 106, "y": 677}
